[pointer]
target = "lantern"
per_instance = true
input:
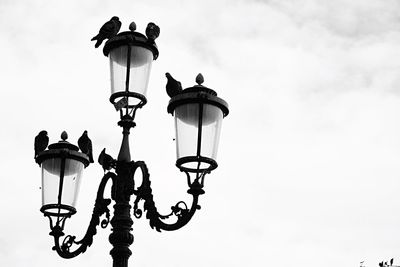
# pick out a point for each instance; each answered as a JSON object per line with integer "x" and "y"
{"x": 131, "y": 55}
{"x": 198, "y": 114}
{"x": 62, "y": 167}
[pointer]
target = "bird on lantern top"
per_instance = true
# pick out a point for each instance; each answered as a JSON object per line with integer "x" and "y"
{"x": 85, "y": 145}
{"x": 107, "y": 31}
{"x": 152, "y": 31}
{"x": 173, "y": 86}
{"x": 41, "y": 142}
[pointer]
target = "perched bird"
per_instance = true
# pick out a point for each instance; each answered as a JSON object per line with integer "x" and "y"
{"x": 173, "y": 86}
{"x": 106, "y": 161}
{"x": 381, "y": 264}
{"x": 152, "y": 31}
{"x": 41, "y": 142}
{"x": 108, "y": 30}
{"x": 85, "y": 145}
{"x": 391, "y": 262}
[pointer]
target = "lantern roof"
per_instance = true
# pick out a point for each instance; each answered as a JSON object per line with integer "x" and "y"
{"x": 64, "y": 149}
{"x": 198, "y": 94}
{"x": 131, "y": 38}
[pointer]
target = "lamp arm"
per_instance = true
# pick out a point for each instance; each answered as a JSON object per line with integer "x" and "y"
{"x": 100, "y": 208}
{"x": 180, "y": 210}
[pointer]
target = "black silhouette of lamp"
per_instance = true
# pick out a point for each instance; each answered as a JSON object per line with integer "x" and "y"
{"x": 131, "y": 55}
{"x": 62, "y": 167}
{"x": 198, "y": 116}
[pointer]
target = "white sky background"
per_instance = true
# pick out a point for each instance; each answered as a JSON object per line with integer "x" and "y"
{"x": 309, "y": 158}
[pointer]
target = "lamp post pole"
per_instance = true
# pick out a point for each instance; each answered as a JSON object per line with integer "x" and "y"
{"x": 197, "y": 111}
{"x": 121, "y": 237}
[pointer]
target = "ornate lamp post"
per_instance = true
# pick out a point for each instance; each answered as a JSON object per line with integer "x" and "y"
{"x": 198, "y": 114}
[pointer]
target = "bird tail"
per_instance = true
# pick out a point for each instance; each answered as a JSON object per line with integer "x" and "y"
{"x": 98, "y": 43}
{"x": 94, "y": 38}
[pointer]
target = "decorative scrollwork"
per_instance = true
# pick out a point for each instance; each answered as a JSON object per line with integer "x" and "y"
{"x": 106, "y": 221}
{"x": 100, "y": 208}
{"x": 67, "y": 242}
{"x": 180, "y": 210}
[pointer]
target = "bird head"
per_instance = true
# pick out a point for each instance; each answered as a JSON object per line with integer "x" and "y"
{"x": 115, "y": 18}
{"x": 43, "y": 132}
{"x": 85, "y": 132}
{"x": 168, "y": 75}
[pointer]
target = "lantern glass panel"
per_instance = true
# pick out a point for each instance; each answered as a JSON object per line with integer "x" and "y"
{"x": 51, "y": 171}
{"x": 140, "y": 66}
{"x": 211, "y": 129}
{"x": 186, "y": 129}
{"x": 187, "y": 123}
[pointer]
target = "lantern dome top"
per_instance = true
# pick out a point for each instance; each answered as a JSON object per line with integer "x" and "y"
{"x": 63, "y": 143}
{"x": 65, "y": 149}
{"x": 198, "y": 94}
{"x": 131, "y": 38}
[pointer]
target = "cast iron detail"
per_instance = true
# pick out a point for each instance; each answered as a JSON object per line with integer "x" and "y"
{"x": 180, "y": 210}
{"x": 123, "y": 187}
{"x": 100, "y": 208}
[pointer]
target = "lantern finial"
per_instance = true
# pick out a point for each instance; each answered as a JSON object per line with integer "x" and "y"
{"x": 132, "y": 26}
{"x": 199, "y": 79}
{"x": 64, "y": 135}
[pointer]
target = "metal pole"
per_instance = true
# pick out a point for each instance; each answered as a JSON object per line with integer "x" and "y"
{"x": 121, "y": 191}
{"x": 121, "y": 237}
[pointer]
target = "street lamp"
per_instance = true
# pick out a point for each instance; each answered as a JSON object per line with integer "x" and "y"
{"x": 198, "y": 114}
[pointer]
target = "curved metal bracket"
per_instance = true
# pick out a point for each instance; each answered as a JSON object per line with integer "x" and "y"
{"x": 100, "y": 208}
{"x": 179, "y": 210}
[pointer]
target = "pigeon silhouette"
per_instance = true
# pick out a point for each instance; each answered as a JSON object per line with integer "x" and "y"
{"x": 41, "y": 142}
{"x": 85, "y": 145}
{"x": 107, "y": 31}
{"x": 391, "y": 262}
{"x": 152, "y": 31}
{"x": 173, "y": 86}
{"x": 106, "y": 161}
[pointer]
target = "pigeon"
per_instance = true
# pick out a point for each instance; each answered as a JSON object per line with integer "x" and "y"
{"x": 173, "y": 86}
{"x": 391, "y": 262}
{"x": 381, "y": 264}
{"x": 41, "y": 142}
{"x": 106, "y": 161}
{"x": 152, "y": 31}
{"x": 85, "y": 144}
{"x": 107, "y": 31}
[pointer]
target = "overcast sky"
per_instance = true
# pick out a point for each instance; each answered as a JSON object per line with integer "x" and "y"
{"x": 309, "y": 157}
